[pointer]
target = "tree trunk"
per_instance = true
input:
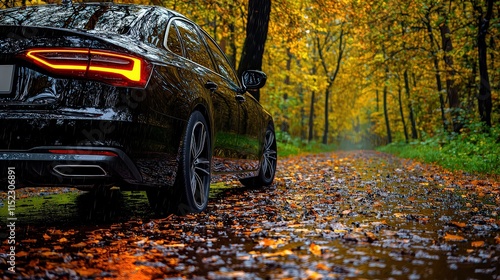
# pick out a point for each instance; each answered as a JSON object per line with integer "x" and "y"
{"x": 401, "y": 112}
{"x": 484, "y": 99}
{"x": 414, "y": 134}
{"x": 386, "y": 116}
{"x": 384, "y": 98}
{"x": 253, "y": 48}
{"x": 232, "y": 44}
{"x": 427, "y": 23}
{"x": 326, "y": 127}
{"x": 331, "y": 78}
{"x": 451, "y": 88}
{"x": 311, "y": 118}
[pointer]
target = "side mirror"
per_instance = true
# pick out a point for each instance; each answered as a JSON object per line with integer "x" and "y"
{"x": 253, "y": 79}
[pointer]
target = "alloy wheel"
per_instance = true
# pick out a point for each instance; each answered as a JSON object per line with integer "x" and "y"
{"x": 268, "y": 168}
{"x": 199, "y": 172}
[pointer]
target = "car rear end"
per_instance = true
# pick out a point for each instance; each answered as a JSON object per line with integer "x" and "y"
{"x": 73, "y": 95}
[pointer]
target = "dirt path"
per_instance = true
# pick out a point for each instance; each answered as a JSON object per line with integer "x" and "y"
{"x": 342, "y": 215}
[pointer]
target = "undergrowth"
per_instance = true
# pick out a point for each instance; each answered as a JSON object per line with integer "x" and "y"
{"x": 474, "y": 149}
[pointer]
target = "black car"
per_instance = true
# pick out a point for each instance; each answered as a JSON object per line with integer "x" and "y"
{"x": 98, "y": 96}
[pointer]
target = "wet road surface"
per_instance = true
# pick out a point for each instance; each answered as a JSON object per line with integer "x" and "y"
{"x": 345, "y": 215}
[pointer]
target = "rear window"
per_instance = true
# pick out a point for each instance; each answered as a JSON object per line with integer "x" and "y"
{"x": 102, "y": 18}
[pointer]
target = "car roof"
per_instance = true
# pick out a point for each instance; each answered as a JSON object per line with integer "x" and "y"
{"x": 82, "y": 16}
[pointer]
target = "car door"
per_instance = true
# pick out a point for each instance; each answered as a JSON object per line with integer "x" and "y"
{"x": 222, "y": 94}
{"x": 252, "y": 130}
{"x": 249, "y": 121}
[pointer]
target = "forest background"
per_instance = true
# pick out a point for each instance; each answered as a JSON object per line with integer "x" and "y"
{"x": 421, "y": 78}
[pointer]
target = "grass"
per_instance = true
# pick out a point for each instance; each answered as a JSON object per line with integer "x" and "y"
{"x": 475, "y": 149}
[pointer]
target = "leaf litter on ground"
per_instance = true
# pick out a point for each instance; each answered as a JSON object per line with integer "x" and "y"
{"x": 360, "y": 214}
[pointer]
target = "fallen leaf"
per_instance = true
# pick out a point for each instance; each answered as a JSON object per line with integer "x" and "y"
{"x": 87, "y": 272}
{"x": 477, "y": 244}
{"x": 271, "y": 242}
{"x": 50, "y": 254}
{"x": 346, "y": 212}
{"x": 381, "y": 223}
{"x": 371, "y": 236}
{"x": 79, "y": 245}
{"x": 257, "y": 230}
{"x": 423, "y": 220}
{"x": 174, "y": 245}
{"x": 377, "y": 204}
{"x": 313, "y": 275}
{"x": 275, "y": 254}
{"x": 452, "y": 237}
{"x": 315, "y": 249}
{"x": 458, "y": 224}
{"x": 278, "y": 254}
{"x": 29, "y": 241}
{"x": 322, "y": 266}
{"x": 22, "y": 254}
{"x": 62, "y": 240}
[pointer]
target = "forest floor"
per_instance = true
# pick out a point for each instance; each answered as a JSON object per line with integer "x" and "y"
{"x": 342, "y": 215}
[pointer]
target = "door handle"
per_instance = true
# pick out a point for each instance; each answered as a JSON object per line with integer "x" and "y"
{"x": 211, "y": 86}
{"x": 240, "y": 98}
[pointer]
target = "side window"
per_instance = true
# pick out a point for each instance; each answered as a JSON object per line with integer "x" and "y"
{"x": 193, "y": 44}
{"x": 223, "y": 65}
{"x": 173, "y": 41}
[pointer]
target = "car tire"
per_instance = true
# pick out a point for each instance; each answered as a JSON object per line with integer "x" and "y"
{"x": 192, "y": 185}
{"x": 268, "y": 164}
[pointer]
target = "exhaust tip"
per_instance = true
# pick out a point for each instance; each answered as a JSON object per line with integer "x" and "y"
{"x": 80, "y": 170}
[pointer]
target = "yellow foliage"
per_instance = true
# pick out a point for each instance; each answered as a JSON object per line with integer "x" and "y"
{"x": 383, "y": 42}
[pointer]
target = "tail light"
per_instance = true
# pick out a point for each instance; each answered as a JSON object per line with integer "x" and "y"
{"x": 84, "y": 152}
{"x": 113, "y": 68}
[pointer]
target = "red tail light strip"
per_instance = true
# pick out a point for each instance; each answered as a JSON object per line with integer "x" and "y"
{"x": 133, "y": 73}
{"x": 40, "y": 57}
{"x": 110, "y": 67}
{"x": 84, "y": 152}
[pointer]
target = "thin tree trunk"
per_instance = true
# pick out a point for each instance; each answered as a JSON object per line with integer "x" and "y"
{"x": 436, "y": 68}
{"x": 311, "y": 118}
{"x": 484, "y": 99}
{"x": 401, "y": 112}
{"x": 384, "y": 100}
{"x": 331, "y": 79}
{"x": 451, "y": 88}
{"x": 386, "y": 116}
{"x": 326, "y": 126}
{"x": 232, "y": 44}
{"x": 414, "y": 134}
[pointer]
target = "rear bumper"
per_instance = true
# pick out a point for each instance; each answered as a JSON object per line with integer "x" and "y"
{"x": 83, "y": 167}
{"x": 129, "y": 154}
